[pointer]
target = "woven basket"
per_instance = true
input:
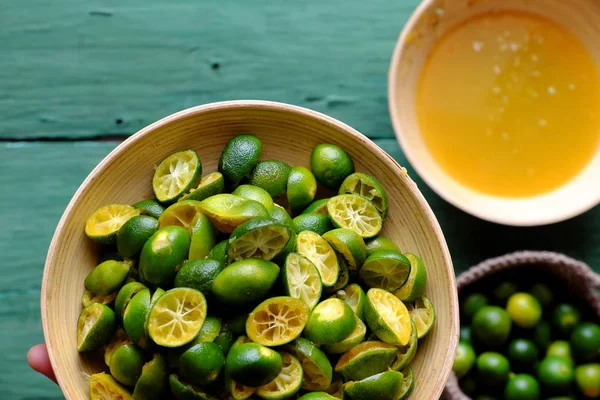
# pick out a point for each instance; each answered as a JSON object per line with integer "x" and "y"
{"x": 575, "y": 274}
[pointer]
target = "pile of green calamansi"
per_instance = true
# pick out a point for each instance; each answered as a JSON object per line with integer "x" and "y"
{"x": 527, "y": 340}
{"x": 213, "y": 291}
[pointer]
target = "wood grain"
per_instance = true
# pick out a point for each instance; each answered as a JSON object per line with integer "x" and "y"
{"x": 73, "y": 69}
{"x": 287, "y": 133}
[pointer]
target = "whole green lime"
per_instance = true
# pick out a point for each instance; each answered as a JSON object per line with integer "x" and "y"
{"x": 503, "y": 291}
{"x": 561, "y": 349}
{"x": 587, "y": 377}
{"x": 331, "y": 165}
{"x": 522, "y": 354}
{"x": 199, "y": 275}
{"x": 555, "y": 374}
{"x": 565, "y": 318}
{"x": 524, "y": 310}
{"x": 542, "y": 335}
{"x": 472, "y": 303}
{"x": 202, "y": 363}
{"x": 466, "y": 334}
{"x": 464, "y": 359}
{"x": 522, "y": 387}
{"x": 318, "y": 223}
{"x": 492, "y": 368}
{"x": 542, "y": 293}
{"x": 272, "y": 176}
{"x": 238, "y": 158}
{"x": 134, "y": 233}
{"x": 491, "y": 325}
{"x": 585, "y": 341}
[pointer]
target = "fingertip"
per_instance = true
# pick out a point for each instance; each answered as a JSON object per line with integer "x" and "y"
{"x": 38, "y": 360}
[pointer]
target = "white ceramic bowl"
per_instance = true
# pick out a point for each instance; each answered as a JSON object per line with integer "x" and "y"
{"x": 431, "y": 19}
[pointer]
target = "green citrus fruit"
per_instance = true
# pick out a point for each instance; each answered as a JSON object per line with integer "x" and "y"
{"x": 542, "y": 335}
{"x": 587, "y": 378}
{"x": 464, "y": 359}
{"x": 561, "y": 349}
{"x": 503, "y": 291}
{"x": 202, "y": 363}
{"x": 317, "y": 396}
{"x": 252, "y": 364}
{"x": 271, "y": 175}
{"x": 492, "y": 368}
{"x": 384, "y": 386}
{"x": 162, "y": 254}
{"x": 95, "y": 327}
{"x": 491, "y": 325}
{"x": 258, "y": 238}
{"x": 522, "y": 387}
{"x": 177, "y": 317}
{"x": 356, "y": 213}
{"x": 153, "y": 383}
{"x": 367, "y": 187}
{"x": 405, "y": 354}
{"x": 330, "y": 322}
{"x": 255, "y": 193}
{"x": 356, "y": 337}
{"x": 187, "y": 391}
{"x": 301, "y": 188}
{"x": 120, "y": 338}
{"x": 422, "y": 313}
{"x": 314, "y": 222}
{"x": 228, "y": 211}
{"x": 209, "y": 185}
{"x": 134, "y": 233}
{"x": 380, "y": 243}
{"x": 126, "y": 364}
{"x": 318, "y": 372}
{"x": 279, "y": 214}
{"x": 349, "y": 244}
{"x": 150, "y": 207}
{"x": 219, "y": 253}
{"x": 225, "y": 338}
{"x": 124, "y": 297}
{"x": 366, "y": 359}
{"x": 238, "y": 158}
{"x": 103, "y": 225}
{"x": 317, "y": 207}
{"x": 176, "y": 175}
{"x": 555, "y": 374}
{"x": 199, "y": 275}
{"x": 408, "y": 383}
{"x": 135, "y": 316}
{"x": 523, "y": 354}
{"x": 88, "y": 297}
{"x": 287, "y": 383}
{"x": 386, "y": 269}
{"x": 209, "y": 331}
{"x": 245, "y": 281}
{"x": 202, "y": 237}
{"x": 565, "y": 318}
{"x": 414, "y": 287}
{"x": 472, "y": 303}
{"x": 331, "y": 165}
{"x": 107, "y": 277}
{"x": 103, "y": 386}
{"x": 542, "y": 293}
{"x": 277, "y": 321}
{"x": 585, "y": 341}
{"x": 312, "y": 246}
{"x": 465, "y": 334}
{"x": 182, "y": 213}
{"x": 301, "y": 279}
{"x": 387, "y": 317}
{"x": 343, "y": 277}
{"x": 237, "y": 323}
{"x": 524, "y": 310}
{"x": 355, "y": 297}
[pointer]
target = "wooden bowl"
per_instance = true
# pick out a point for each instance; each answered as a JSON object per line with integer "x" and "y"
{"x": 429, "y": 22}
{"x": 288, "y": 133}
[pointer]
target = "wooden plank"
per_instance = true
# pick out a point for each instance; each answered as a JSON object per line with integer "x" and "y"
{"x": 472, "y": 240}
{"x": 73, "y": 69}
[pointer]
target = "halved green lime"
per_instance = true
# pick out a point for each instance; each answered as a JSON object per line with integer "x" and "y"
{"x": 387, "y": 317}
{"x": 177, "y": 316}
{"x": 245, "y": 281}
{"x": 209, "y": 185}
{"x": 408, "y": 383}
{"x": 380, "y": 243}
{"x": 117, "y": 341}
{"x": 255, "y": 193}
{"x": 317, "y": 207}
{"x": 187, "y": 391}
{"x": 343, "y": 277}
{"x": 89, "y": 298}
{"x": 125, "y": 295}
{"x": 414, "y": 287}
{"x": 176, "y": 175}
{"x": 134, "y": 233}
{"x": 405, "y": 354}
{"x": 301, "y": 279}
{"x": 366, "y": 359}
{"x": 386, "y": 269}
{"x": 198, "y": 274}
{"x": 330, "y": 322}
{"x": 238, "y": 158}
{"x": 126, "y": 364}
{"x": 314, "y": 222}
{"x": 287, "y": 383}
{"x": 330, "y": 164}
{"x": 317, "y": 396}
{"x": 182, "y": 213}
{"x": 355, "y": 213}
{"x": 279, "y": 213}
{"x": 301, "y": 188}
{"x": 210, "y": 330}
{"x": 219, "y": 252}
{"x": 258, "y": 238}
{"x": 202, "y": 237}
{"x": 271, "y": 175}
{"x": 384, "y": 386}
{"x": 277, "y": 321}
{"x": 103, "y": 225}
{"x": 422, "y": 313}
{"x": 150, "y": 207}
{"x": 107, "y": 277}
{"x": 349, "y": 244}
{"x": 317, "y": 368}
{"x": 367, "y": 187}
{"x": 357, "y": 336}
{"x": 154, "y": 381}
{"x": 312, "y": 246}
{"x": 355, "y": 297}
{"x": 95, "y": 327}
{"x": 103, "y": 386}
{"x": 135, "y": 316}
{"x": 228, "y": 211}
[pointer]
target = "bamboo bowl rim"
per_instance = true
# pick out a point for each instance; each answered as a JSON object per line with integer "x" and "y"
{"x": 446, "y": 270}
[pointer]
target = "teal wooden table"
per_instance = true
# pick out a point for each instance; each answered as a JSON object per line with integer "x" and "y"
{"x": 76, "y": 79}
